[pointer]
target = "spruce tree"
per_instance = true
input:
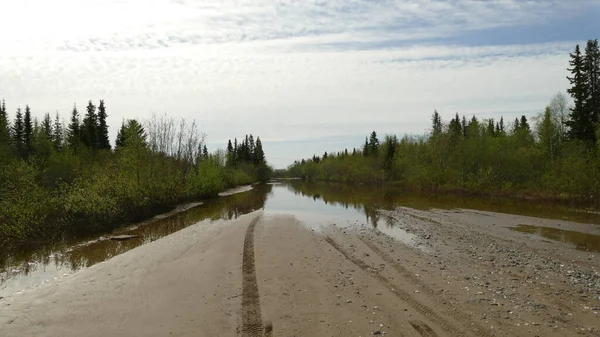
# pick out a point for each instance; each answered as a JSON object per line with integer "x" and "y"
{"x": 4, "y": 127}
{"x": 89, "y": 136}
{"x": 18, "y": 138}
{"x": 579, "y": 121}
{"x": 102, "y": 132}
{"x": 436, "y": 124}
{"x": 366, "y": 147}
{"x": 28, "y": 131}
{"x": 57, "y": 133}
{"x": 73, "y": 129}
{"x": 47, "y": 126}
{"x": 591, "y": 68}
{"x": 373, "y": 143}
{"x": 205, "y": 152}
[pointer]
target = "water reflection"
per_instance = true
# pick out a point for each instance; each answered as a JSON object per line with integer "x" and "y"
{"x": 581, "y": 241}
{"x": 24, "y": 269}
{"x": 315, "y": 204}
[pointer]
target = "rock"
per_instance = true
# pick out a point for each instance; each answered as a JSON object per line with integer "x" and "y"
{"x": 348, "y": 301}
{"x": 123, "y": 237}
{"x": 377, "y": 332}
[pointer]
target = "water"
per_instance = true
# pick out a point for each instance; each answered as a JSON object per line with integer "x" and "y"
{"x": 314, "y": 204}
{"x": 581, "y": 241}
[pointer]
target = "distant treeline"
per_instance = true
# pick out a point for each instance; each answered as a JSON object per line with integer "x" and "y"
{"x": 557, "y": 158}
{"x": 60, "y": 180}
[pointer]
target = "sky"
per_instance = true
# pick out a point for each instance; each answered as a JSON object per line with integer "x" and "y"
{"x": 307, "y": 76}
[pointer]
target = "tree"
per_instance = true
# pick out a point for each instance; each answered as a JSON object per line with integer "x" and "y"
{"x": 28, "y": 131}
{"x": 18, "y": 134}
{"x": 591, "y": 66}
{"x": 259, "y": 154}
{"x": 47, "y": 126}
{"x": 366, "y": 147}
{"x": 548, "y": 135}
{"x": 57, "y": 132}
{"x": 89, "y": 136}
{"x": 205, "y": 152}
{"x": 73, "y": 129}
{"x": 4, "y": 127}
{"x": 436, "y": 124}
{"x": 131, "y": 133}
{"x": 579, "y": 119}
{"x": 373, "y": 144}
{"x": 102, "y": 131}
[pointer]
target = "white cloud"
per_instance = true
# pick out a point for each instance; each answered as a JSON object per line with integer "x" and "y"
{"x": 273, "y": 68}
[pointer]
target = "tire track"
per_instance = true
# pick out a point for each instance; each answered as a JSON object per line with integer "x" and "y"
{"x": 401, "y": 294}
{"x": 457, "y": 315}
{"x": 252, "y": 325}
{"x": 423, "y": 329}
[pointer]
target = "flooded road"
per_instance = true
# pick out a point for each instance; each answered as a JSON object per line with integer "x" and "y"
{"x": 314, "y": 204}
{"x": 312, "y": 259}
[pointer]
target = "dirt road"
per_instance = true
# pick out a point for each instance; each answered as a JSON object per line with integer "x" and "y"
{"x": 268, "y": 275}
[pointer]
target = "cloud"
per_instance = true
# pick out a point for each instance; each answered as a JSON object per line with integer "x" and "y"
{"x": 287, "y": 70}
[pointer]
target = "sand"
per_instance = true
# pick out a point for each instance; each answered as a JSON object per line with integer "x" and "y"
{"x": 269, "y": 275}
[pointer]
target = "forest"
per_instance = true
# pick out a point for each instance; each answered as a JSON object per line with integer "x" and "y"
{"x": 65, "y": 180}
{"x": 553, "y": 155}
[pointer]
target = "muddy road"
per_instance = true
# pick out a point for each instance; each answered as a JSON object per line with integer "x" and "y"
{"x": 284, "y": 271}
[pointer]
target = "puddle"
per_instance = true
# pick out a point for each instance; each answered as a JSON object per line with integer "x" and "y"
{"x": 581, "y": 241}
{"x": 314, "y": 204}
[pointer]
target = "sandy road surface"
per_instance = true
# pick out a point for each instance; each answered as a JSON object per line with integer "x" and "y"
{"x": 265, "y": 275}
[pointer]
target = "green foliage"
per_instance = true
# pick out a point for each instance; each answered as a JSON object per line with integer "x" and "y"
{"x": 478, "y": 156}
{"x": 55, "y": 186}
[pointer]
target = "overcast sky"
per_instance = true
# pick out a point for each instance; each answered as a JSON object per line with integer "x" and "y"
{"x": 306, "y": 76}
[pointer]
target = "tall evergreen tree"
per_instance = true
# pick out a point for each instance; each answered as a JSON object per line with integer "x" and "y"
{"x": 102, "y": 132}
{"x": 436, "y": 124}
{"x": 591, "y": 66}
{"x": 47, "y": 126}
{"x": 73, "y": 129}
{"x": 373, "y": 143}
{"x": 579, "y": 120}
{"x": 28, "y": 131}
{"x": 89, "y": 136}
{"x": 4, "y": 127}
{"x": 57, "y": 133}
{"x": 205, "y": 152}
{"x": 18, "y": 134}
{"x": 366, "y": 147}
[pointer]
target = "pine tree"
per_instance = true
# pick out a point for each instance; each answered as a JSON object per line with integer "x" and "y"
{"x": 259, "y": 154}
{"x": 373, "y": 144}
{"x": 57, "y": 133}
{"x": 591, "y": 66}
{"x": 28, "y": 132}
{"x": 205, "y": 152}
{"x": 102, "y": 131}
{"x": 131, "y": 133}
{"x": 89, "y": 136}
{"x": 366, "y": 147}
{"x": 579, "y": 121}
{"x": 18, "y": 137}
{"x": 47, "y": 126}
{"x": 4, "y": 127}
{"x": 251, "y": 148}
{"x": 437, "y": 124}
{"x": 73, "y": 130}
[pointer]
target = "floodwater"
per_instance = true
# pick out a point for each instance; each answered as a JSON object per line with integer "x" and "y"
{"x": 314, "y": 204}
{"x": 581, "y": 241}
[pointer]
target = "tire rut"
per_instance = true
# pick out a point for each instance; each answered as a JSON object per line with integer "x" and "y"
{"x": 401, "y": 294}
{"x": 423, "y": 329}
{"x": 252, "y": 324}
{"x": 457, "y": 315}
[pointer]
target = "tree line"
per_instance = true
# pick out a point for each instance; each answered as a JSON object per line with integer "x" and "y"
{"x": 62, "y": 180}
{"x": 553, "y": 155}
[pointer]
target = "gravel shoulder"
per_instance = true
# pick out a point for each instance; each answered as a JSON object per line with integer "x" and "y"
{"x": 268, "y": 275}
